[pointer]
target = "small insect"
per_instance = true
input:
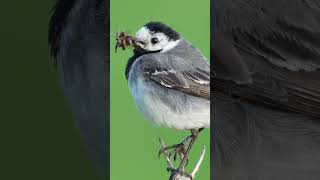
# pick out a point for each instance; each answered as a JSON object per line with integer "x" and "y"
{"x": 124, "y": 40}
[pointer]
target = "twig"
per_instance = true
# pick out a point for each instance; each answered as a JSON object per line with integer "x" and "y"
{"x": 197, "y": 167}
{"x": 166, "y": 155}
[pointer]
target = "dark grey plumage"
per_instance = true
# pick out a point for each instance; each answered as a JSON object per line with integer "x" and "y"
{"x": 78, "y": 35}
{"x": 266, "y": 101}
{"x": 256, "y": 143}
{"x": 272, "y": 45}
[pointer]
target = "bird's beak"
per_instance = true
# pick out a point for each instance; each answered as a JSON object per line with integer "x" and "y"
{"x": 140, "y": 42}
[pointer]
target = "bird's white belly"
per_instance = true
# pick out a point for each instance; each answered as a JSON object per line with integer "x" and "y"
{"x": 191, "y": 116}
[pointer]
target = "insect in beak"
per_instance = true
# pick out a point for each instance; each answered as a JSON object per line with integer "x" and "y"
{"x": 124, "y": 40}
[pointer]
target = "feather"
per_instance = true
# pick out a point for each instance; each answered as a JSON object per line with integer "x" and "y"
{"x": 194, "y": 82}
{"x": 268, "y": 53}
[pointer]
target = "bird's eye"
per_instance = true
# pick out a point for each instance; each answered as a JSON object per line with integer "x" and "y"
{"x": 154, "y": 40}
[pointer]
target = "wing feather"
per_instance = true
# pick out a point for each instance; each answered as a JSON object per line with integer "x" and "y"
{"x": 269, "y": 54}
{"x": 194, "y": 82}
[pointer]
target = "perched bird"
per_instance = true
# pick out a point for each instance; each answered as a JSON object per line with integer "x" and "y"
{"x": 78, "y": 34}
{"x": 170, "y": 81}
{"x": 266, "y": 82}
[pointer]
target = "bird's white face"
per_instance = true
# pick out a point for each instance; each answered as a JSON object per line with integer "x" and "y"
{"x": 154, "y": 41}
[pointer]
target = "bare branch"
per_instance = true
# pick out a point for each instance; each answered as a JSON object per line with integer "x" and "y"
{"x": 166, "y": 155}
{"x": 197, "y": 167}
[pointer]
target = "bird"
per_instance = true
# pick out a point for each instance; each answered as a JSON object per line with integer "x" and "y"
{"x": 266, "y": 81}
{"x": 77, "y": 35}
{"x": 169, "y": 80}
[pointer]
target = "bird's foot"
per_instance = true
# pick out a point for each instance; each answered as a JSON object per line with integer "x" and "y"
{"x": 179, "y": 173}
{"x": 176, "y": 149}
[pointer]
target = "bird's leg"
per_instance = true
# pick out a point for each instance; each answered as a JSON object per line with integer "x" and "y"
{"x": 178, "y": 149}
{"x": 194, "y": 135}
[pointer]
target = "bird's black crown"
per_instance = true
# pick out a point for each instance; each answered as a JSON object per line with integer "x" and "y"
{"x": 160, "y": 27}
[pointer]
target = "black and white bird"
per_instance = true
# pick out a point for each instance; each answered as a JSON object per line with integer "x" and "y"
{"x": 266, "y": 102}
{"x": 170, "y": 80}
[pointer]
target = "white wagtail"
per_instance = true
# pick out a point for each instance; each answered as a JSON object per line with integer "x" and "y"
{"x": 170, "y": 81}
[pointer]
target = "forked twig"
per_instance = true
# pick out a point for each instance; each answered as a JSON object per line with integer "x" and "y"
{"x": 166, "y": 156}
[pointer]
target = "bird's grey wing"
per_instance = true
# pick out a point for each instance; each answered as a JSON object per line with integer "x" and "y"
{"x": 268, "y": 53}
{"x": 195, "y": 82}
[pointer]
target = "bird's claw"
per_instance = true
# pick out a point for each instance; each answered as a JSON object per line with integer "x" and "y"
{"x": 179, "y": 174}
{"x": 178, "y": 149}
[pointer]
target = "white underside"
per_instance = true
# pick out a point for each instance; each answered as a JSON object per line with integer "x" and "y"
{"x": 195, "y": 114}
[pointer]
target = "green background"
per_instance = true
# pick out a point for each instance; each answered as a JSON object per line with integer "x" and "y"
{"x": 38, "y": 138}
{"x": 134, "y": 141}
{"x": 37, "y": 132}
